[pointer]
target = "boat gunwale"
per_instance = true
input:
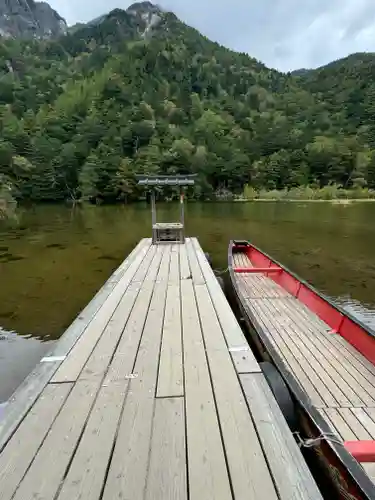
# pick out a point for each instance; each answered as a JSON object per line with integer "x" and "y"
{"x": 348, "y": 462}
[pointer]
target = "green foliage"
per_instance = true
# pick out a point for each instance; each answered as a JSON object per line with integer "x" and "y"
{"x": 308, "y": 193}
{"x": 80, "y": 116}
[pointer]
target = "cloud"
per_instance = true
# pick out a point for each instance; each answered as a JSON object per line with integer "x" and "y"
{"x": 285, "y": 34}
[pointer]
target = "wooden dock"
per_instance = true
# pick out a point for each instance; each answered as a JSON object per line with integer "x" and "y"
{"x": 338, "y": 380}
{"x": 152, "y": 393}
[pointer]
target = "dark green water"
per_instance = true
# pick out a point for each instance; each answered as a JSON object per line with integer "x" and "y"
{"x": 56, "y": 258}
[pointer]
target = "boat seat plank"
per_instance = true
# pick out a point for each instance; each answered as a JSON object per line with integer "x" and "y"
{"x": 321, "y": 381}
{"x": 339, "y": 423}
{"x": 321, "y": 348}
{"x": 345, "y": 383}
{"x": 355, "y": 424}
{"x": 304, "y": 375}
{"x": 166, "y": 478}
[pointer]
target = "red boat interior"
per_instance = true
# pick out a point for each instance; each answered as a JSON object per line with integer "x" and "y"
{"x": 340, "y": 323}
{"x": 339, "y": 380}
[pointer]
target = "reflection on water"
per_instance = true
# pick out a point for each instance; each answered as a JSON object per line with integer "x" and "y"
{"x": 54, "y": 261}
{"x": 363, "y": 312}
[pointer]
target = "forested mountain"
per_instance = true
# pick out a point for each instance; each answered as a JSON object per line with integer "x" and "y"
{"x": 139, "y": 91}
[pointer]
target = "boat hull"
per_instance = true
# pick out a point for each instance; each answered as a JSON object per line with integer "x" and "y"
{"x": 339, "y": 470}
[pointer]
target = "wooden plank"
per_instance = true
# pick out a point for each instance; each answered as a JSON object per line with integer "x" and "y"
{"x": 87, "y": 472}
{"x": 128, "y": 469}
{"x": 232, "y": 331}
{"x": 289, "y": 470}
{"x": 310, "y": 356}
{"x": 362, "y": 364}
{"x": 153, "y": 270}
{"x": 370, "y": 470}
{"x": 184, "y": 264}
{"x": 143, "y": 267}
{"x": 347, "y": 377}
{"x": 286, "y": 345}
{"x": 119, "y": 272}
{"x": 23, "y": 446}
{"x": 250, "y": 476}
{"x": 208, "y": 476}
{"x": 196, "y": 271}
{"x": 354, "y": 424}
{"x": 27, "y": 393}
{"x": 123, "y": 361}
{"x": 170, "y": 379}
{"x": 72, "y": 366}
{"x": 340, "y": 424}
{"x": 243, "y": 359}
{"x": 103, "y": 352}
{"x": 365, "y": 420}
{"x": 342, "y": 381}
{"x": 174, "y": 272}
{"x": 58, "y": 448}
{"x": 163, "y": 271}
{"x": 324, "y": 414}
{"x": 167, "y": 470}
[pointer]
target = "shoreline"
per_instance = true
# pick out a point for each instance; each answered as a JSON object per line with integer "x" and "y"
{"x": 335, "y": 201}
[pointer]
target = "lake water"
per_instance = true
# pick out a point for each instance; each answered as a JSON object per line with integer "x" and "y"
{"x": 54, "y": 260}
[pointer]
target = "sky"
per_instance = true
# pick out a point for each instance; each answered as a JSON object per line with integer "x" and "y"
{"x": 283, "y": 34}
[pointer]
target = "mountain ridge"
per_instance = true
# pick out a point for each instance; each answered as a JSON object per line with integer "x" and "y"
{"x": 30, "y": 19}
{"x": 82, "y": 114}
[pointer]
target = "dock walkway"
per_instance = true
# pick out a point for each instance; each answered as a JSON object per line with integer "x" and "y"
{"x": 152, "y": 393}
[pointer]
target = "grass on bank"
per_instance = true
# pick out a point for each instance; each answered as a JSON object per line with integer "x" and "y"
{"x": 307, "y": 193}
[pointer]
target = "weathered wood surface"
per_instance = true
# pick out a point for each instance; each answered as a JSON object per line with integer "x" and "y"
{"x": 337, "y": 379}
{"x": 27, "y": 393}
{"x": 148, "y": 403}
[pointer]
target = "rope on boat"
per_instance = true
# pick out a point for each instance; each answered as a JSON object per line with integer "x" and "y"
{"x": 311, "y": 442}
{"x": 219, "y": 272}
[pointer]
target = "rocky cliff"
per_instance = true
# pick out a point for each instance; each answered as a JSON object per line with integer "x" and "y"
{"x": 29, "y": 19}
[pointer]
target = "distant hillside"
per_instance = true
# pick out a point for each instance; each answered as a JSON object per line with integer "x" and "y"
{"x": 348, "y": 86}
{"x": 140, "y": 91}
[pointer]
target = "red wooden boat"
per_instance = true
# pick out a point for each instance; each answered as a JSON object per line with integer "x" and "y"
{"x": 325, "y": 367}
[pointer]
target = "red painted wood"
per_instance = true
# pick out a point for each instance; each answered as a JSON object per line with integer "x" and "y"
{"x": 363, "y": 451}
{"x": 359, "y": 339}
{"x": 254, "y": 270}
{"x": 320, "y": 307}
{"x": 260, "y": 260}
{"x": 288, "y": 282}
